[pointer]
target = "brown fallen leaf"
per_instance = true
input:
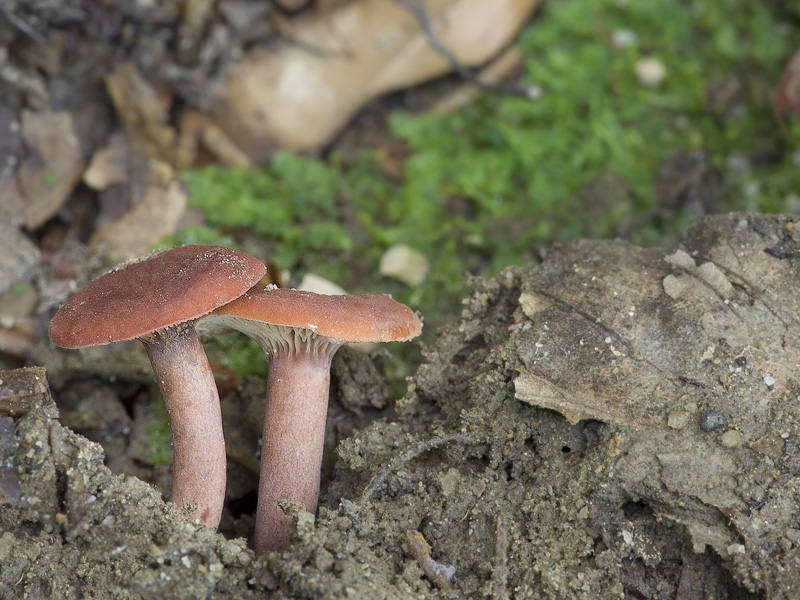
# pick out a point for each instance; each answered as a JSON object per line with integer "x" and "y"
{"x": 143, "y": 112}
{"x": 19, "y": 257}
{"x": 109, "y": 165}
{"x": 787, "y": 96}
{"x": 621, "y": 335}
{"x": 25, "y": 389}
{"x": 690, "y": 356}
{"x": 155, "y": 216}
{"x": 53, "y": 166}
{"x": 300, "y": 94}
{"x": 493, "y": 73}
{"x": 216, "y": 141}
{"x": 13, "y": 208}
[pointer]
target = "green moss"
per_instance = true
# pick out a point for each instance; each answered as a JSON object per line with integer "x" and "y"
{"x": 51, "y": 178}
{"x": 486, "y": 186}
{"x": 158, "y": 442}
{"x": 292, "y": 202}
{"x": 238, "y": 352}
{"x": 18, "y": 288}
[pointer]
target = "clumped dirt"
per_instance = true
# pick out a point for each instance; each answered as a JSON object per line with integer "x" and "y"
{"x": 615, "y": 420}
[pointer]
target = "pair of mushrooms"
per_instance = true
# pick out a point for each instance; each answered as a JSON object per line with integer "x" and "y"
{"x": 159, "y": 298}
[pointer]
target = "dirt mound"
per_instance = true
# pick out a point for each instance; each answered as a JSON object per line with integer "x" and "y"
{"x": 615, "y": 419}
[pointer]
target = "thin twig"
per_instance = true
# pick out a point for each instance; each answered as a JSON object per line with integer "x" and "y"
{"x": 416, "y": 7}
{"x": 443, "y": 576}
{"x": 244, "y": 458}
{"x": 525, "y": 587}
{"x": 14, "y": 405}
{"x": 500, "y": 567}
{"x": 22, "y": 25}
{"x": 434, "y": 442}
{"x": 347, "y": 509}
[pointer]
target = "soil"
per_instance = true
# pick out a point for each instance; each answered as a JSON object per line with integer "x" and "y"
{"x": 615, "y": 420}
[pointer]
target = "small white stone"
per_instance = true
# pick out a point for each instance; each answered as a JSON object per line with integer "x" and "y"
{"x": 404, "y": 264}
{"x": 320, "y": 285}
{"x": 626, "y": 535}
{"x": 650, "y": 71}
{"x": 623, "y": 38}
{"x": 736, "y": 549}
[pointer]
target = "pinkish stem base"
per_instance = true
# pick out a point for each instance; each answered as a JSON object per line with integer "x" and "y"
{"x": 293, "y": 441}
{"x": 190, "y": 395}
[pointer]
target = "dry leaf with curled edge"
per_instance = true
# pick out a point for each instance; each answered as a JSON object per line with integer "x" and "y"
{"x": 143, "y": 111}
{"x": 109, "y": 165}
{"x": 787, "y": 94}
{"x": 693, "y": 357}
{"x": 585, "y": 348}
{"x": 156, "y": 215}
{"x": 620, "y": 333}
{"x": 298, "y": 95}
{"x": 22, "y": 390}
{"x": 53, "y": 165}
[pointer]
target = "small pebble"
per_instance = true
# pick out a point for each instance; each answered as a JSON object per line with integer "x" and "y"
{"x": 650, "y": 71}
{"x": 678, "y": 419}
{"x": 404, "y": 264}
{"x": 712, "y": 421}
{"x": 731, "y": 439}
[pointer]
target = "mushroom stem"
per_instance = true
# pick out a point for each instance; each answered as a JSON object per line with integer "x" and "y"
{"x": 190, "y": 394}
{"x": 293, "y": 440}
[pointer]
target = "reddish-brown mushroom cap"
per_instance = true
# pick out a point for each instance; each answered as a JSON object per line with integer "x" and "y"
{"x": 369, "y": 317}
{"x": 300, "y": 332}
{"x": 162, "y": 289}
{"x": 156, "y": 299}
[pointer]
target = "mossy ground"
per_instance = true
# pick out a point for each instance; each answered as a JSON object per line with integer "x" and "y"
{"x": 599, "y": 154}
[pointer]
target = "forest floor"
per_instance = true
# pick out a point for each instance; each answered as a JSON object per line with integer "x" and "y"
{"x": 640, "y": 439}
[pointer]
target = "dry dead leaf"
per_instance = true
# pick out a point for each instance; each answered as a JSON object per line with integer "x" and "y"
{"x": 704, "y": 334}
{"x": 191, "y": 127}
{"x": 155, "y": 216}
{"x": 298, "y": 95}
{"x": 494, "y": 73}
{"x": 48, "y": 174}
{"x": 622, "y": 334}
{"x": 788, "y": 93}
{"x": 217, "y": 142}
{"x": 19, "y": 257}
{"x": 109, "y": 165}
{"x": 13, "y": 207}
{"x": 143, "y": 113}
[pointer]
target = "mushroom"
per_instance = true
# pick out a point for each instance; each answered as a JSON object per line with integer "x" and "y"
{"x": 300, "y": 332}
{"x": 156, "y": 299}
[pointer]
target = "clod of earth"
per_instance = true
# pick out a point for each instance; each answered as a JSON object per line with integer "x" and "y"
{"x": 300, "y": 332}
{"x": 156, "y": 299}
{"x": 654, "y": 501}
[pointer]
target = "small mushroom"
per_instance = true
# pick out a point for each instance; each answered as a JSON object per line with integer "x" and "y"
{"x": 156, "y": 299}
{"x": 300, "y": 332}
